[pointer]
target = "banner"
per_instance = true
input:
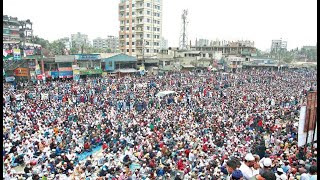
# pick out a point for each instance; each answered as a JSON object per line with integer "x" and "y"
{"x": 311, "y": 112}
{"x": 65, "y": 74}
{"x": 23, "y": 72}
{"x": 91, "y": 71}
{"x": 65, "y": 69}
{"x": 54, "y": 74}
{"x": 301, "y": 134}
{"x": 16, "y": 54}
{"x": 76, "y": 74}
{"x": 10, "y": 79}
{"x": 29, "y": 52}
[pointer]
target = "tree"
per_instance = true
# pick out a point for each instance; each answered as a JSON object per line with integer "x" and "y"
{"x": 57, "y": 48}
{"x": 44, "y": 43}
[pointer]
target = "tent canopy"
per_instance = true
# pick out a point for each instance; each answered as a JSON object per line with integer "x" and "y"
{"x": 163, "y": 93}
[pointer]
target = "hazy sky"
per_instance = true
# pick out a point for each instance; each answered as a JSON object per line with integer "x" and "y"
{"x": 257, "y": 20}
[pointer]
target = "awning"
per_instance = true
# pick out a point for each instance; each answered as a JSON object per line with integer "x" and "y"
{"x": 128, "y": 70}
{"x": 187, "y": 66}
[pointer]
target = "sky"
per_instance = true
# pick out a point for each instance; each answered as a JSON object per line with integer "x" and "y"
{"x": 260, "y": 21}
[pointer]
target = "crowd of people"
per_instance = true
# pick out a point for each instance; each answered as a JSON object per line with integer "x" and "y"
{"x": 9, "y": 47}
{"x": 215, "y": 126}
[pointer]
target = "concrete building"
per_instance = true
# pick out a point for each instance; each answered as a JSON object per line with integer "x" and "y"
{"x": 66, "y": 42}
{"x": 99, "y": 43}
{"x": 244, "y": 49}
{"x": 163, "y": 44}
{"x": 202, "y": 42}
{"x": 14, "y": 29}
{"x": 77, "y": 40}
{"x": 111, "y": 43}
{"x": 278, "y": 45}
{"x": 140, "y": 27}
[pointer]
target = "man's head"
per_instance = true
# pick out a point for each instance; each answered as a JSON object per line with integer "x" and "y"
{"x": 231, "y": 166}
{"x": 267, "y": 175}
{"x": 313, "y": 170}
{"x": 249, "y": 160}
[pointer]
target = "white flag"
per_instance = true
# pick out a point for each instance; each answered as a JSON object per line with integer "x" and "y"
{"x": 5, "y": 53}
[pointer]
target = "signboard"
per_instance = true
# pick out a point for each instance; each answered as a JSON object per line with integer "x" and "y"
{"x": 311, "y": 112}
{"x": 301, "y": 134}
{"x": 64, "y": 58}
{"x": 22, "y": 72}
{"x": 65, "y": 69}
{"x": 10, "y": 79}
{"x": 75, "y": 67}
{"x": 84, "y": 57}
{"x": 76, "y": 74}
{"x": 54, "y": 74}
{"x": 65, "y": 74}
{"x": 90, "y": 71}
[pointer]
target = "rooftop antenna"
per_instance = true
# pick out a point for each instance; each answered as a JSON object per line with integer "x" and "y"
{"x": 183, "y": 35}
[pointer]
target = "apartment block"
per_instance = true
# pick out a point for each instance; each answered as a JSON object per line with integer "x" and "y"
{"x": 111, "y": 43}
{"x": 278, "y": 45}
{"x": 140, "y": 27}
{"x": 77, "y": 40}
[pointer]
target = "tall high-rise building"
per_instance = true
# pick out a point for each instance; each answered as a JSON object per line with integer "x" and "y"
{"x": 140, "y": 27}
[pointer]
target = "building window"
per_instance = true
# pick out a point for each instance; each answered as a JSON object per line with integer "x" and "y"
{"x": 133, "y": 5}
{"x": 148, "y": 12}
{"x": 158, "y": 29}
{"x": 133, "y": 13}
{"x": 127, "y": 43}
{"x": 127, "y": 35}
{"x": 127, "y": 28}
{"x": 148, "y": 35}
{"x": 147, "y": 50}
{"x": 148, "y": 20}
{"x": 127, "y": 50}
{"x": 133, "y": 28}
{"x": 148, "y": 27}
{"x": 127, "y": 21}
{"x": 148, "y": 4}
{"x": 133, "y": 43}
{"x": 132, "y": 35}
{"x": 132, "y": 50}
{"x": 127, "y": 6}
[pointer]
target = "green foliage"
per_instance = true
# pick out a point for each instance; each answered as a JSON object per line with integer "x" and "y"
{"x": 57, "y": 48}
{"x": 44, "y": 43}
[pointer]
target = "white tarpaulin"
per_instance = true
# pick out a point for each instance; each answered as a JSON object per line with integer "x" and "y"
{"x": 163, "y": 93}
{"x": 303, "y": 135}
{"x": 44, "y": 96}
